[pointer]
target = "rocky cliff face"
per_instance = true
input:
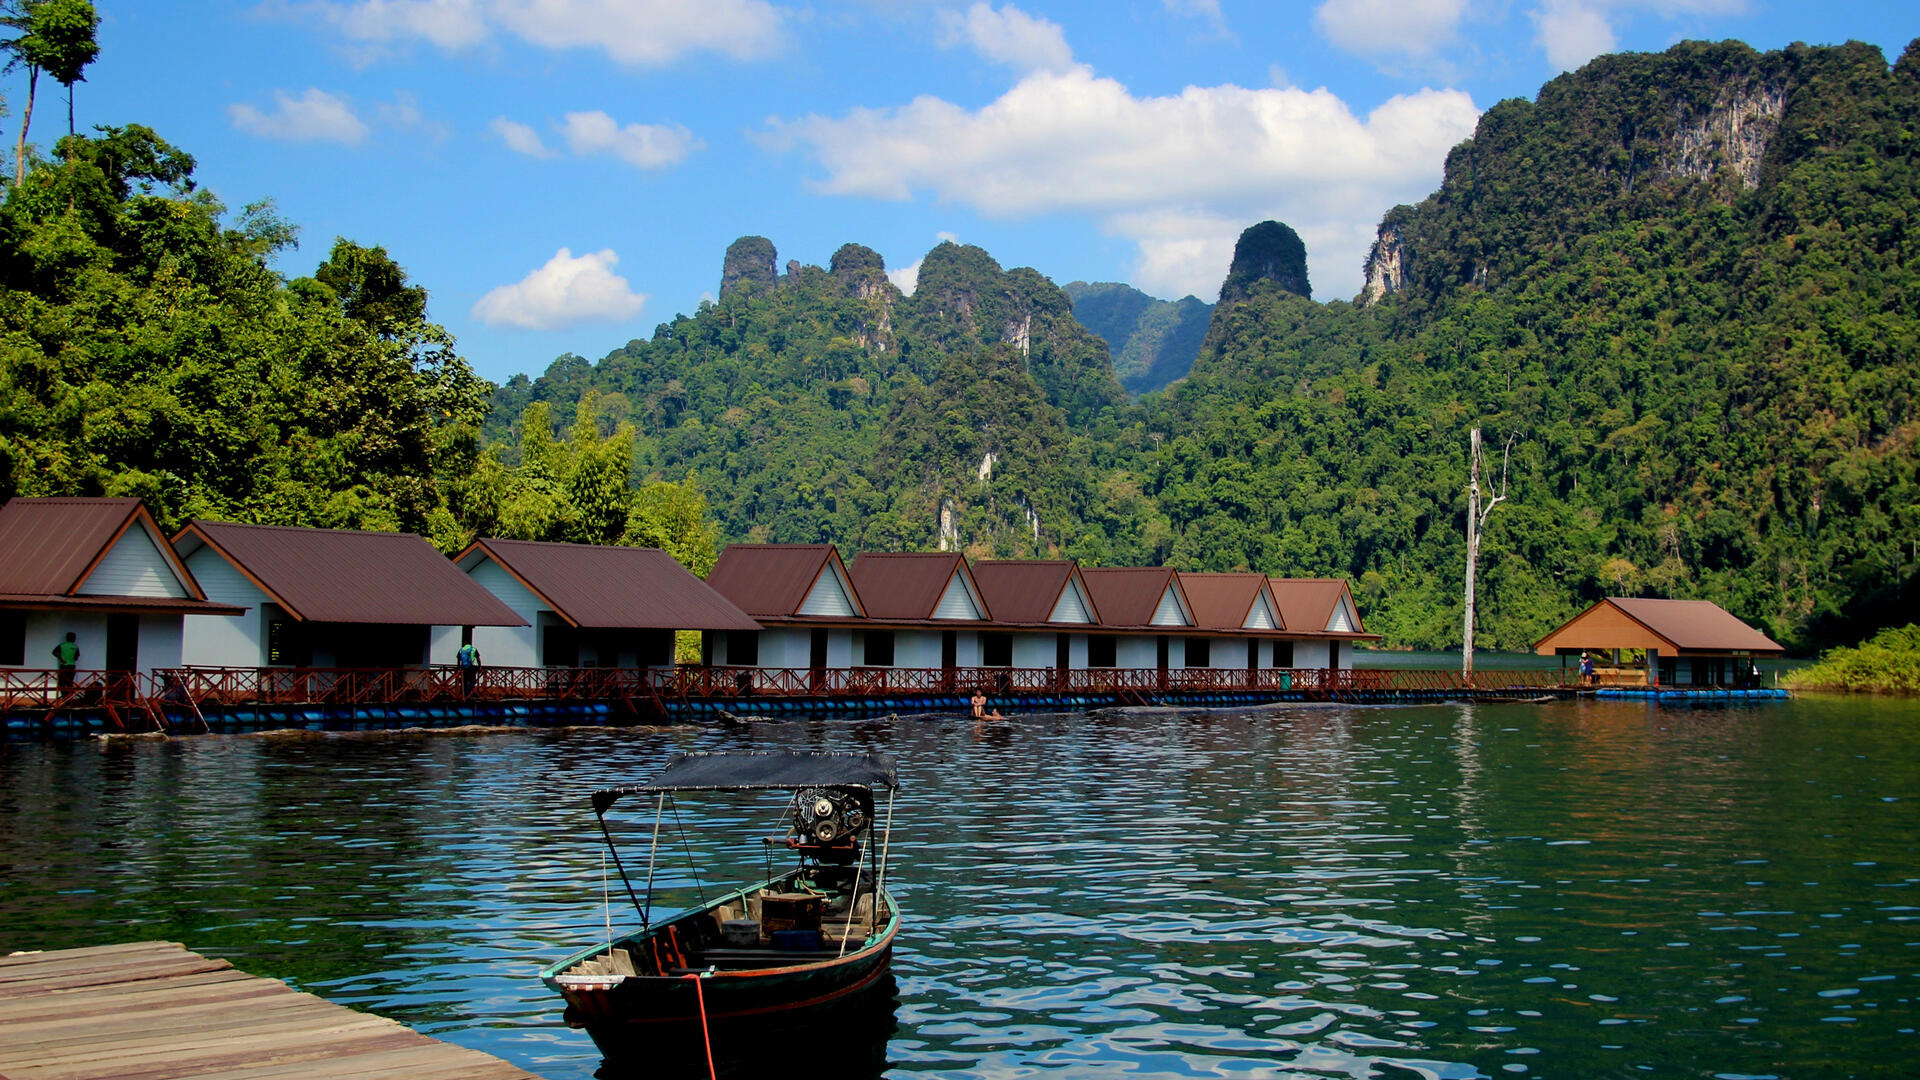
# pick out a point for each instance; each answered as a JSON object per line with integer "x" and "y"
{"x": 1269, "y": 251}
{"x": 749, "y": 260}
{"x": 1734, "y": 134}
{"x": 1624, "y": 134}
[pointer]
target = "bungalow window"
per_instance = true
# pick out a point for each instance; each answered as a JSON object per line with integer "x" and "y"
{"x": 743, "y": 648}
{"x": 1199, "y": 652}
{"x": 996, "y": 650}
{"x": 1103, "y": 652}
{"x": 13, "y": 638}
{"x": 288, "y": 644}
{"x": 1283, "y": 654}
{"x": 879, "y": 648}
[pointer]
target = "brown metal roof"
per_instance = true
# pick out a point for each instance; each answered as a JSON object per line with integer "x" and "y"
{"x": 772, "y": 580}
{"x": 47, "y": 546}
{"x": 1129, "y": 595}
{"x": 907, "y": 584}
{"x": 612, "y": 587}
{"x": 1026, "y": 590}
{"x": 1306, "y": 604}
{"x": 139, "y": 605}
{"x": 347, "y": 576}
{"x": 1684, "y": 625}
{"x": 1223, "y": 601}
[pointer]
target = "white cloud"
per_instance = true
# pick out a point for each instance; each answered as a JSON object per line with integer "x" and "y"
{"x": 1008, "y": 36}
{"x": 314, "y": 116}
{"x": 1575, "y": 31}
{"x": 1175, "y": 174}
{"x": 907, "y": 278}
{"x": 643, "y": 146}
{"x": 566, "y": 292}
{"x": 520, "y": 138}
{"x": 639, "y": 32}
{"x": 1412, "y": 27}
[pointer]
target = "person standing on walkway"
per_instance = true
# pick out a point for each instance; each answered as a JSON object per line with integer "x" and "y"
{"x": 67, "y": 656}
{"x": 469, "y": 660}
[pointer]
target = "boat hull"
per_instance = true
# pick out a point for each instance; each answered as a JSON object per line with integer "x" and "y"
{"x": 632, "y": 1014}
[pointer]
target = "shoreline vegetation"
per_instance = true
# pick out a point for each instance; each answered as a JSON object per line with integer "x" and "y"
{"x": 1887, "y": 663}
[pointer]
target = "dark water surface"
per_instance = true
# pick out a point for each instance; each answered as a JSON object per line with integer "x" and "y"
{"x": 1594, "y": 889}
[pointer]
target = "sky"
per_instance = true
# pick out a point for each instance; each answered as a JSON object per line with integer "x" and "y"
{"x": 565, "y": 175}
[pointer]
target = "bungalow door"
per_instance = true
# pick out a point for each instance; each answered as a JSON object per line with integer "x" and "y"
{"x": 123, "y": 642}
{"x": 1162, "y": 650}
{"x": 1062, "y": 659}
{"x": 1253, "y": 662}
{"x": 949, "y": 658}
{"x": 817, "y": 661}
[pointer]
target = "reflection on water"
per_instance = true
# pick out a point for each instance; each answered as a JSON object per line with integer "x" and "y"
{"x": 1451, "y": 891}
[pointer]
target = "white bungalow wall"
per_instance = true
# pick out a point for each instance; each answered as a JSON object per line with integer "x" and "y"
{"x": 1261, "y": 616}
{"x": 158, "y": 645}
{"x": 792, "y": 647}
{"x": 1041, "y": 649}
{"x": 831, "y": 595}
{"x": 134, "y": 566}
{"x": 1342, "y": 621}
{"x": 1072, "y": 607}
{"x": 224, "y": 640}
{"x": 1170, "y": 611}
{"x": 500, "y": 646}
{"x": 958, "y": 601}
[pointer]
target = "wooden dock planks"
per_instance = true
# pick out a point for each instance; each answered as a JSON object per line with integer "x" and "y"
{"x": 152, "y": 1010}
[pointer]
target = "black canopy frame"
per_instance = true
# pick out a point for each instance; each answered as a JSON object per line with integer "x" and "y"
{"x": 724, "y": 771}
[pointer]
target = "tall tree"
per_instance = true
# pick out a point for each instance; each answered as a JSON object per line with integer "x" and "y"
{"x": 1476, "y": 527}
{"x": 55, "y": 36}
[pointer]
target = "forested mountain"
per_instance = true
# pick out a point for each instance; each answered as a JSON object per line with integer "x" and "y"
{"x": 1682, "y": 285}
{"x": 1686, "y": 284}
{"x": 1153, "y": 341}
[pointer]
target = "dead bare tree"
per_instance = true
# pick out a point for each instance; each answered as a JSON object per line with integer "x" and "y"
{"x": 1476, "y": 526}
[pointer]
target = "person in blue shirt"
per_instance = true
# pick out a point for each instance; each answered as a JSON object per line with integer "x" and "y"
{"x": 469, "y": 660}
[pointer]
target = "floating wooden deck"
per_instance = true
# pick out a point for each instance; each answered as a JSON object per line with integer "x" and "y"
{"x": 152, "y": 1009}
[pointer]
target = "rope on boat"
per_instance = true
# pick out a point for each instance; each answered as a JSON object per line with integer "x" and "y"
{"x": 693, "y": 864}
{"x": 700, "y": 995}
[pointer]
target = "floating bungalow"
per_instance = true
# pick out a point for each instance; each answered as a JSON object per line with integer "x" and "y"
{"x": 1043, "y": 615}
{"x": 1237, "y": 620}
{"x": 590, "y": 606}
{"x": 101, "y": 570}
{"x": 1322, "y": 621}
{"x": 1148, "y": 608}
{"x": 271, "y": 625}
{"x": 328, "y": 598}
{"x": 923, "y": 610}
{"x": 804, "y": 600}
{"x": 1645, "y": 642}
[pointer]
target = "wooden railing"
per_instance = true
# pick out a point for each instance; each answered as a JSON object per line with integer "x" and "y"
{"x": 353, "y": 686}
{"x": 132, "y": 700}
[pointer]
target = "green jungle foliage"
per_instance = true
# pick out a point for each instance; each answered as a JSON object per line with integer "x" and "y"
{"x": 1889, "y": 662}
{"x": 147, "y": 348}
{"x": 1153, "y": 341}
{"x": 1682, "y": 286}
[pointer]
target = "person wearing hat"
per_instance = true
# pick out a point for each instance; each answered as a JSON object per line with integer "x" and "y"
{"x": 1586, "y": 669}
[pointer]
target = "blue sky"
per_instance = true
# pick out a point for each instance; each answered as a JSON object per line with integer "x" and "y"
{"x": 563, "y": 175}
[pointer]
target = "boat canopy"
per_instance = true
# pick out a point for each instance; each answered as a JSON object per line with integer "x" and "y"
{"x": 761, "y": 772}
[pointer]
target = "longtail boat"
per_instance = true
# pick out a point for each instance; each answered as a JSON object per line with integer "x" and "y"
{"x": 815, "y": 936}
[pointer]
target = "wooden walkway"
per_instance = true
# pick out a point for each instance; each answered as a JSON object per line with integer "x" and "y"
{"x": 152, "y": 1009}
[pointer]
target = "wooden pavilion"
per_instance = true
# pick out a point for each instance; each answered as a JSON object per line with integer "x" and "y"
{"x": 1642, "y": 642}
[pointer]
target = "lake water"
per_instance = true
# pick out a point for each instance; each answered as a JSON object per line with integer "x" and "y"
{"x": 1575, "y": 889}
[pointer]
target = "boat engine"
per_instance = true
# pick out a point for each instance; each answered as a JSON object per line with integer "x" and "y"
{"x": 831, "y": 816}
